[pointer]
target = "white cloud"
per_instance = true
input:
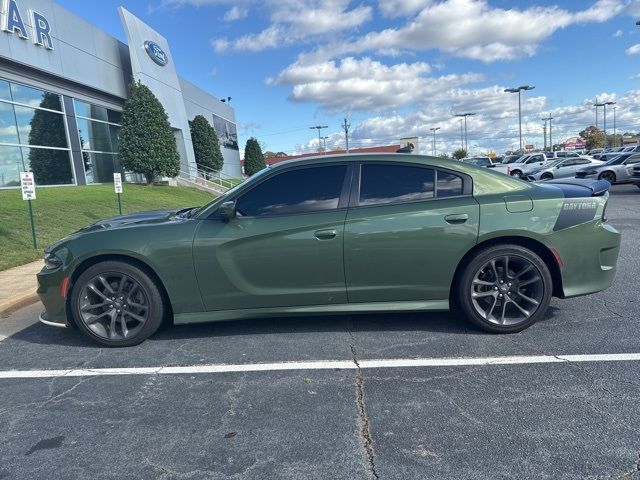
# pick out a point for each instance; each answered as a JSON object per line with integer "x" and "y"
{"x": 633, "y": 49}
{"x": 474, "y": 29}
{"x": 365, "y": 84}
{"x": 618, "y": 33}
{"x": 293, "y": 21}
{"x": 237, "y": 12}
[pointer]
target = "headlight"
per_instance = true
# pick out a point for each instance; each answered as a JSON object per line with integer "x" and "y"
{"x": 52, "y": 261}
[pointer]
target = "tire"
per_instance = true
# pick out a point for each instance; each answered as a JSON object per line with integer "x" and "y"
{"x": 480, "y": 292}
{"x": 546, "y": 176}
{"x": 608, "y": 176}
{"x": 116, "y": 289}
{"x": 516, "y": 173}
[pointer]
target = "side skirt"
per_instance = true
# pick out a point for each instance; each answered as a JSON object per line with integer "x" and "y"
{"x": 221, "y": 315}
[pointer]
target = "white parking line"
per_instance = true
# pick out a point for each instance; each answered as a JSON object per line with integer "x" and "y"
{"x": 324, "y": 365}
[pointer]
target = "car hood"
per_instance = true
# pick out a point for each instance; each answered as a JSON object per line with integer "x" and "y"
{"x": 133, "y": 219}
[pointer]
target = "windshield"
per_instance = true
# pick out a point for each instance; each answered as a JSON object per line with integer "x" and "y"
{"x": 555, "y": 163}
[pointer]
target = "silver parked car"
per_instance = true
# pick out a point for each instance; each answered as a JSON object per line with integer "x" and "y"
{"x": 616, "y": 170}
{"x": 561, "y": 168}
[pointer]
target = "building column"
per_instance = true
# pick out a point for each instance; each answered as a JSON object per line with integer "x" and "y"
{"x": 74, "y": 139}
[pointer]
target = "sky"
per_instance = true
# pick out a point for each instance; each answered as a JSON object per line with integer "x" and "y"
{"x": 396, "y": 68}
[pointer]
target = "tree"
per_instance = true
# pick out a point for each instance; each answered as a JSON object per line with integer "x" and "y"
{"x": 49, "y": 167}
{"x": 253, "y": 157}
{"x": 205, "y": 144}
{"x": 459, "y": 153}
{"x": 593, "y": 137}
{"x": 444, "y": 155}
{"x": 146, "y": 141}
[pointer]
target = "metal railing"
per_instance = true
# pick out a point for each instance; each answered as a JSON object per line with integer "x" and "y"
{"x": 208, "y": 178}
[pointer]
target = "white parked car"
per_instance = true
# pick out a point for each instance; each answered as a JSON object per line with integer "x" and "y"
{"x": 561, "y": 168}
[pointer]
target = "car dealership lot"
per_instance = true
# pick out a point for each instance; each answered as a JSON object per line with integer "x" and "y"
{"x": 527, "y": 420}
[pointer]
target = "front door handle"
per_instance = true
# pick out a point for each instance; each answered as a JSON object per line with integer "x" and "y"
{"x": 326, "y": 234}
{"x": 456, "y": 218}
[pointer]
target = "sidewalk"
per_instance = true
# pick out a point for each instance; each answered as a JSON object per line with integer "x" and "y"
{"x": 18, "y": 287}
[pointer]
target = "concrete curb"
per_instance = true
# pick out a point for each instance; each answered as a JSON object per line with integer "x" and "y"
{"x": 16, "y": 302}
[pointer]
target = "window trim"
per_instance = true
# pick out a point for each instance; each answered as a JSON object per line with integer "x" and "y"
{"x": 354, "y": 200}
{"x": 342, "y": 200}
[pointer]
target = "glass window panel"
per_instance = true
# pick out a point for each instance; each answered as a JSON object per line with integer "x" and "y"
{"x": 8, "y": 130}
{"x": 39, "y": 127}
{"x": 297, "y": 191}
{"x": 226, "y": 131}
{"x": 82, "y": 108}
{"x": 90, "y": 110}
{"x": 383, "y": 184}
{"x": 114, "y": 117}
{"x": 10, "y": 166}
{"x": 94, "y": 135}
{"x": 99, "y": 167}
{"x": 35, "y": 98}
{"x": 5, "y": 91}
{"x": 113, "y": 133}
{"x": 449, "y": 185}
{"x": 49, "y": 167}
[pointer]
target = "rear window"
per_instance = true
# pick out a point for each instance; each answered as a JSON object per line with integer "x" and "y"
{"x": 386, "y": 184}
{"x": 449, "y": 185}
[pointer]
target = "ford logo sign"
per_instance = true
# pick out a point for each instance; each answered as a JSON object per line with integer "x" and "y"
{"x": 156, "y": 53}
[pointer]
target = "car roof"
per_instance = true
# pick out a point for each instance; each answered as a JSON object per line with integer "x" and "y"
{"x": 376, "y": 157}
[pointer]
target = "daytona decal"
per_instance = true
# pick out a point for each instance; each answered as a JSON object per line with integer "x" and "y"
{"x": 575, "y": 212}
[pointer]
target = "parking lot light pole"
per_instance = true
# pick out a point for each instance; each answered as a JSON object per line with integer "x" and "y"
{"x": 518, "y": 90}
{"x": 544, "y": 132}
{"x": 605, "y": 120}
{"x": 466, "y": 138}
{"x": 615, "y": 139}
{"x": 433, "y": 148}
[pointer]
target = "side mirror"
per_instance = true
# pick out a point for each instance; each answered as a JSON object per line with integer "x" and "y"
{"x": 227, "y": 210}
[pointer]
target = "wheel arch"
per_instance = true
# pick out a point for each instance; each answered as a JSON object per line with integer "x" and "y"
{"x": 118, "y": 257}
{"x": 615, "y": 177}
{"x": 534, "y": 245}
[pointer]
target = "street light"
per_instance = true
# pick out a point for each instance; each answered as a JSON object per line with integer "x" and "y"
{"x": 319, "y": 127}
{"x": 615, "y": 139}
{"x": 604, "y": 105}
{"x": 466, "y": 139}
{"x": 518, "y": 90}
{"x": 433, "y": 149}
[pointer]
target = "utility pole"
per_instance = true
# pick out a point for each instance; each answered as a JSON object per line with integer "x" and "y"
{"x": 544, "y": 130}
{"x": 518, "y": 90}
{"x": 596, "y": 105}
{"x": 345, "y": 126}
{"x": 319, "y": 127}
{"x": 433, "y": 148}
{"x": 604, "y": 106}
{"x": 615, "y": 138}
{"x": 461, "y": 137}
{"x": 549, "y": 118}
{"x": 466, "y": 138}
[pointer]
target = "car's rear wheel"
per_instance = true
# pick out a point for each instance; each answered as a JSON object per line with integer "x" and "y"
{"x": 516, "y": 173}
{"x": 504, "y": 289}
{"x": 546, "y": 176}
{"x": 116, "y": 304}
{"x": 608, "y": 176}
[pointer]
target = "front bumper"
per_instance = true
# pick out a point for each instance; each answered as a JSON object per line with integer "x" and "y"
{"x": 51, "y": 296}
{"x": 44, "y": 318}
{"x": 589, "y": 254}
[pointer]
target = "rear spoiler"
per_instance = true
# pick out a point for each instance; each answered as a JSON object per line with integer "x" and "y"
{"x": 576, "y": 187}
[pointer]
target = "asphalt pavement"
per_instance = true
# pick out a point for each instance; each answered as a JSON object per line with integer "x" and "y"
{"x": 563, "y": 420}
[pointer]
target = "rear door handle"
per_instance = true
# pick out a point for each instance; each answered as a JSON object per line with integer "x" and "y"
{"x": 326, "y": 234}
{"x": 456, "y": 218}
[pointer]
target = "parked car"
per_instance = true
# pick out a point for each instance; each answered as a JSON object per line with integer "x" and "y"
{"x": 615, "y": 170}
{"x": 487, "y": 163}
{"x": 564, "y": 154}
{"x": 561, "y": 168}
{"x": 594, "y": 151}
{"x": 526, "y": 164}
{"x": 635, "y": 175}
{"x": 510, "y": 158}
{"x": 336, "y": 234}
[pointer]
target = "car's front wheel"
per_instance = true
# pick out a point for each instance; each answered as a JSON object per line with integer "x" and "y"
{"x": 546, "y": 176}
{"x": 504, "y": 289}
{"x": 116, "y": 304}
{"x": 516, "y": 174}
{"x": 609, "y": 177}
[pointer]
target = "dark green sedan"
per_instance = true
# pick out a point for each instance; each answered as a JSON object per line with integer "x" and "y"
{"x": 338, "y": 234}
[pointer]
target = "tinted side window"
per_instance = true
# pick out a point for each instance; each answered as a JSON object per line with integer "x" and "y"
{"x": 383, "y": 184}
{"x": 297, "y": 191}
{"x": 449, "y": 185}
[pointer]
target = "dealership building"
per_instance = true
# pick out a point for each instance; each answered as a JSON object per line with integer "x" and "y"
{"x": 63, "y": 84}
